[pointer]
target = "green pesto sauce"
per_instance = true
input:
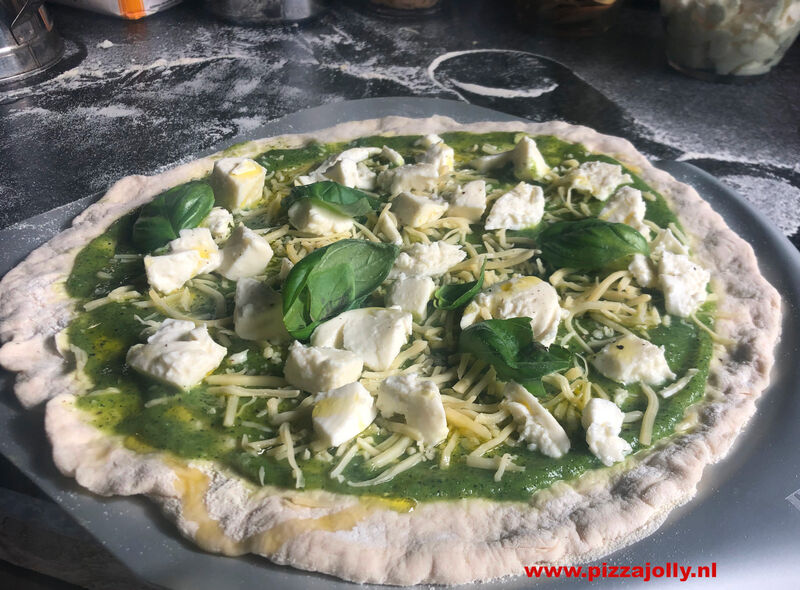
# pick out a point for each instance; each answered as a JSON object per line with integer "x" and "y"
{"x": 189, "y": 424}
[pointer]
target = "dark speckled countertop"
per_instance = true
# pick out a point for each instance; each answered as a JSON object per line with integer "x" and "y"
{"x": 180, "y": 82}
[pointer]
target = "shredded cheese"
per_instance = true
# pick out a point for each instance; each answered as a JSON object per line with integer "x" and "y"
{"x": 646, "y": 432}
{"x": 463, "y": 422}
{"x": 286, "y": 436}
{"x": 169, "y": 311}
{"x": 392, "y": 472}
{"x": 236, "y": 391}
{"x": 230, "y": 411}
{"x": 302, "y": 409}
{"x": 492, "y": 443}
{"x": 118, "y": 295}
{"x": 502, "y": 465}
{"x": 403, "y": 429}
{"x": 727, "y": 342}
{"x": 390, "y": 454}
{"x": 219, "y": 298}
{"x": 246, "y": 380}
{"x": 336, "y": 472}
{"x": 447, "y": 451}
{"x": 678, "y": 385}
{"x": 491, "y": 463}
{"x": 158, "y": 401}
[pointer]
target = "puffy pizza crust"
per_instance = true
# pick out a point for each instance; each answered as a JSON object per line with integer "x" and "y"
{"x": 376, "y": 541}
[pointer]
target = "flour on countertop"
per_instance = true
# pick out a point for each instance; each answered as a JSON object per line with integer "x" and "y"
{"x": 544, "y": 86}
{"x": 246, "y": 124}
{"x": 505, "y": 92}
{"x": 777, "y": 199}
{"x": 110, "y": 112}
{"x": 213, "y": 82}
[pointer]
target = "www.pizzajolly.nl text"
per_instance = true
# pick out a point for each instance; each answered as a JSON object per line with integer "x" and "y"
{"x": 644, "y": 572}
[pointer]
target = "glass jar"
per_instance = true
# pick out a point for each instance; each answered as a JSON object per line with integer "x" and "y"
{"x": 726, "y": 40}
{"x": 254, "y": 12}
{"x": 568, "y": 18}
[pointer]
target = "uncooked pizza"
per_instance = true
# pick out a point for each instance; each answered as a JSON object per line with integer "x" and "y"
{"x": 397, "y": 350}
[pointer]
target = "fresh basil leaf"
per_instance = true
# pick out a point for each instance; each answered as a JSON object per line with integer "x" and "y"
{"x": 330, "y": 290}
{"x": 590, "y": 244}
{"x": 335, "y": 197}
{"x": 508, "y": 345}
{"x": 452, "y": 297}
{"x": 292, "y": 158}
{"x": 162, "y": 219}
{"x": 331, "y": 280}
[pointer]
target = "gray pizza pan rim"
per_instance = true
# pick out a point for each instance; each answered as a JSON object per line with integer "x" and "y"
{"x": 740, "y": 518}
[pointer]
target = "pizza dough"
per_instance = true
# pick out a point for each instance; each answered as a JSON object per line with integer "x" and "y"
{"x": 371, "y": 540}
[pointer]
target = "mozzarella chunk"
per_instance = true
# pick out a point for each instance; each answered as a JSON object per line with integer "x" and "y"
{"x": 358, "y": 154}
{"x": 169, "y": 272}
{"x": 665, "y": 241}
{"x": 375, "y": 334}
{"x": 468, "y": 201}
{"x": 238, "y": 183}
{"x": 429, "y": 140}
{"x": 258, "y": 312}
{"x": 642, "y": 270}
{"x": 307, "y": 217}
{"x": 602, "y": 420}
{"x": 198, "y": 240}
{"x": 484, "y": 164}
{"x": 633, "y": 360}
{"x": 387, "y": 225}
{"x": 521, "y": 207}
{"x": 345, "y": 168}
{"x": 528, "y": 161}
{"x": 355, "y": 155}
{"x": 392, "y": 156}
{"x": 441, "y": 156}
{"x": 344, "y": 172}
{"x": 219, "y": 222}
{"x": 238, "y": 358}
{"x": 426, "y": 260}
{"x": 342, "y": 413}
{"x": 193, "y": 253}
{"x": 315, "y": 369}
{"x": 418, "y": 178}
{"x": 179, "y": 353}
{"x": 412, "y": 295}
{"x": 515, "y": 298}
{"x": 245, "y": 254}
{"x": 599, "y": 179}
{"x": 367, "y": 179}
{"x": 536, "y": 426}
{"x": 627, "y": 206}
{"x": 351, "y": 174}
{"x": 418, "y": 401}
{"x": 683, "y": 283}
{"x": 526, "y": 157}
{"x": 415, "y": 210}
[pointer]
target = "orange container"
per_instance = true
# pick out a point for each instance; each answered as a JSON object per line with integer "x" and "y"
{"x": 128, "y": 9}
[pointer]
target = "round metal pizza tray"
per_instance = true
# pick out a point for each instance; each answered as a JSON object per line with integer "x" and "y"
{"x": 744, "y": 518}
